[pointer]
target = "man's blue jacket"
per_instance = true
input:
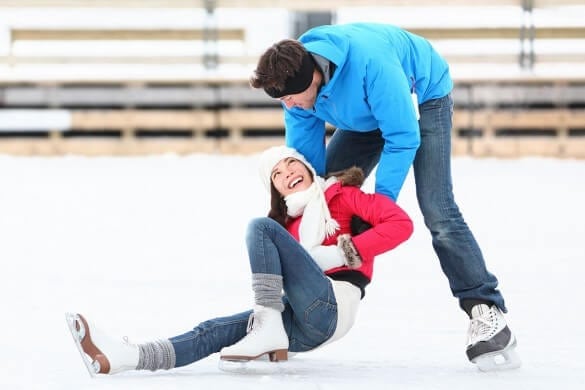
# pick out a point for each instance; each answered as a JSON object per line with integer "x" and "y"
{"x": 378, "y": 66}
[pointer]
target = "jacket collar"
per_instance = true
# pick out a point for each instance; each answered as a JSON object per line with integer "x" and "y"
{"x": 332, "y": 191}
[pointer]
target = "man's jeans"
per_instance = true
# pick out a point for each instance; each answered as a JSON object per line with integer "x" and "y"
{"x": 310, "y": 314}
{"x": 460, "y": 256}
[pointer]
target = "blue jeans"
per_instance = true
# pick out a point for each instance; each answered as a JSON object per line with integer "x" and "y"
{"x": 310, "y": 313}
{"x": 459, "y": 254}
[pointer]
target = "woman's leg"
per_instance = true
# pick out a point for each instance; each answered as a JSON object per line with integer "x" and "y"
{"x": 310, "y": 311}
{"x": 310, "y": 314}
{"x": 209, "y": 337}
{"x": 279, "y": 262}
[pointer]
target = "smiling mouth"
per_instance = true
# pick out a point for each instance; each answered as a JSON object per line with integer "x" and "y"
{"x": 295, "y": 182}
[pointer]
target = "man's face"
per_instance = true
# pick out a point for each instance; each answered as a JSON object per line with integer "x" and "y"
{"x": 305, "y": 99}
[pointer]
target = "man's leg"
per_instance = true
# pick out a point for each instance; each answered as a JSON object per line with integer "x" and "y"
{"x": 460, "y": 256}
{"x": 491, "y": 344}
{"x": 351, "y": 148}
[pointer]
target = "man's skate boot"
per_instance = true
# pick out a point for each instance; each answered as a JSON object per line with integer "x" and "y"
{"x": 490, "y": 343}
{"x": 266, "y": 335}
{"x": 101, "y": 353}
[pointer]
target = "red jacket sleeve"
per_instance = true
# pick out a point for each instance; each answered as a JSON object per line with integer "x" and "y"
{"x": 390, "y": 224}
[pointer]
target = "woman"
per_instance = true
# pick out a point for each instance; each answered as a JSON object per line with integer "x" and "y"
{"x": 303, "y": 247}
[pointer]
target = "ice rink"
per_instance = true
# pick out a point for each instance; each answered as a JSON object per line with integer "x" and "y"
{"x": 148, "y": 247}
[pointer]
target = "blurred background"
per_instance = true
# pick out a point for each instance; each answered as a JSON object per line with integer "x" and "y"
{"x": 138, "y": 77}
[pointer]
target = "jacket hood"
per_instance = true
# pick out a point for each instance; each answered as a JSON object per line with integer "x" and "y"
{"x": 332, "y": 46}
{"x": 353, "y": 176}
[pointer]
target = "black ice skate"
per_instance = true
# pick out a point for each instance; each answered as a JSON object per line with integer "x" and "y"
{"x": 491, "y": 344}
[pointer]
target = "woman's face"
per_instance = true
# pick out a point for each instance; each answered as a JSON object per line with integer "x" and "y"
{"x": 290, "y": 175}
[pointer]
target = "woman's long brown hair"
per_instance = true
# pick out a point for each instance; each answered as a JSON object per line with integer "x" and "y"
{"x": 277, "y": 206}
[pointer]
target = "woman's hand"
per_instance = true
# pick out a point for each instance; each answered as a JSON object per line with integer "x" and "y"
{"x": 328, "y": 256}
{"x": 352, "y": 257}
{"x": 342, "y": 254}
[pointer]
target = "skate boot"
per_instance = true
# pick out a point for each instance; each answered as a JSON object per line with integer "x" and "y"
{"x": 266, "y": 335}
{"x": 101, "y": 353}
{"x": 491, "y": 345}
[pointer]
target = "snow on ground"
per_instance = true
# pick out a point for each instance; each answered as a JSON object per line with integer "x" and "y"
{"x": 150, "y": 246}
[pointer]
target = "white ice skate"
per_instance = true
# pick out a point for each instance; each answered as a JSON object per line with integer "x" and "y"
{"x": 491, "y": 345}
{"x": 101, "y": 354}
{"x": 266, "y": 336}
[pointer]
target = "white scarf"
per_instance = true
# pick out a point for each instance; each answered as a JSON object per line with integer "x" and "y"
{"x": 316, "y": 223}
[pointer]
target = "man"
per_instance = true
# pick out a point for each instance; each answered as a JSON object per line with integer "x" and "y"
{"x": 388, "y": 93}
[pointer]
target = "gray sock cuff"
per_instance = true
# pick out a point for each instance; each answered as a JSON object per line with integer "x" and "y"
{"x": 268, "y": 290}
{"x": 156, "y": 355}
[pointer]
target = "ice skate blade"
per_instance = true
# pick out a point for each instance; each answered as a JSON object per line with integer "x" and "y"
{"x": 95, "y": 361}
{"x": 274, "y": 356}
{"x": 78, "y": 332}
{"x": 506, "y": 359}
{"x": 252, "y": 367}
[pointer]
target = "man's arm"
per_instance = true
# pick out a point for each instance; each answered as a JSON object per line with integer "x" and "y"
{"x": 306, "y": 133}
{"x": 389, "y": 98}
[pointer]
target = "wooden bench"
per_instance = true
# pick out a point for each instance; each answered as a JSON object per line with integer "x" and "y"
{"x": 487, "y": 137}
{"x": 513, "y": 35}
{"x": 85, "y": 36}
{"x": 502, "y": 133}
{"x": 485, "y": 129}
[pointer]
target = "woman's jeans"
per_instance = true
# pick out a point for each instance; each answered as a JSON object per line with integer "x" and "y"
{"x": 460, "y": 256}
{"x": 310, "y": 314}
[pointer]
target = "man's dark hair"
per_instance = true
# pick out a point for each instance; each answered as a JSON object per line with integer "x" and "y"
{"x": 279, "y": 62}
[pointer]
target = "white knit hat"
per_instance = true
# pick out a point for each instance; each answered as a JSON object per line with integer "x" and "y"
{"x": 270, "y": 157}
{"x": 317, "y": 223}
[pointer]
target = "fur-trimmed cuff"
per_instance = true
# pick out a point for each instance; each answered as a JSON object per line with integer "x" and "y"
{"x": 352, "y": 256}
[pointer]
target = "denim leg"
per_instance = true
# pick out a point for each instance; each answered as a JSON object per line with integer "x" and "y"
{"x": 351, "y": 148}
{"x": 459, "y": 254}
{"x": 310, "y": 314}
{"x": 209, "y": 337}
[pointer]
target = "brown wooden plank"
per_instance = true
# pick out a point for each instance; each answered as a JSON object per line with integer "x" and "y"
{"x": 49, "y": 34}
{"x": 526, "y": 119}
{"x": 144, "y": 119}
{"x": 465, "y": 33}
{"x": 67, "y": 59}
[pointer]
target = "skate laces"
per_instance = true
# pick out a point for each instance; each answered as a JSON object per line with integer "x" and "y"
{"x": 254, "y": 322}
{"x": 483, "y": 327}
{"x": 251, "y": 321}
